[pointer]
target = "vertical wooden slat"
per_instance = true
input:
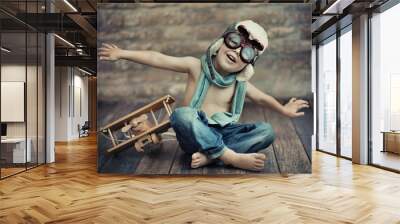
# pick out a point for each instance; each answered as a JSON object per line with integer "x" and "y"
{"x": 154, "y": 117}
{"x": 112, "y": 137}
{"x": 169, "y": 107}
{"x": 166, "y": 108}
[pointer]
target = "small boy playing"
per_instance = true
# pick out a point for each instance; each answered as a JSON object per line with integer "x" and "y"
{"x": 206, "y": 127}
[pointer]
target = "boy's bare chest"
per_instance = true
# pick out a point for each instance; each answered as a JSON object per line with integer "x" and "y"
{"x": 217, "y": 99}
{"x": 219, "y": 96}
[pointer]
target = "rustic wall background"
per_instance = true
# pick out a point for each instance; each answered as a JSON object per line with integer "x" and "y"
{"x": 283, "y": 71}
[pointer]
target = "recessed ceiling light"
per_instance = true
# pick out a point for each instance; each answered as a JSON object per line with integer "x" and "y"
{"x": 338, "y": 6}
{"x": 65, "y": 41}
{"x": 5, "y": 50}
{"x": 84, "y": 71}
{"x": 70, "y": 5}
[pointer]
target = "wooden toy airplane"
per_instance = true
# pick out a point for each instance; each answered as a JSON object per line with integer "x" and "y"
{"x": 136, "y": 129}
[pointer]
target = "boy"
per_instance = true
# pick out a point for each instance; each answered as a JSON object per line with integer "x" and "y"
{"x": 217, "y": 84}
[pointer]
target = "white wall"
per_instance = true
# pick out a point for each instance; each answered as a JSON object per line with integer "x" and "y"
{"x": 62, "y": 81}
{"x": 12, "y": 100}
{"x": 80, "y": 110}
{"x": 16, "y": 73}
{"x": 70, "y": 83}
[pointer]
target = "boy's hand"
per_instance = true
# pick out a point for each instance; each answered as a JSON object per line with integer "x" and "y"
{"x": 293, "y": 106}
{"x": 109, "y": 52}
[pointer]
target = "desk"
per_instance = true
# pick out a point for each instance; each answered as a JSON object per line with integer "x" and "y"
{"x": 391, "y": 141}
{"x": 13, "y": 150}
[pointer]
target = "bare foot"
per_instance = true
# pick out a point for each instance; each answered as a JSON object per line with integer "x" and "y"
{"x": 199, "y": 160}
{"x": 251, "y": 161}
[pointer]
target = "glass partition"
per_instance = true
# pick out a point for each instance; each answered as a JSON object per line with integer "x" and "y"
{"x": 346, "y": 93}
{"x": 327, "y": 96}
{"x": 14, "y": 145}
{"x": 385, "y": 89}
{"x": 22, "y": 88}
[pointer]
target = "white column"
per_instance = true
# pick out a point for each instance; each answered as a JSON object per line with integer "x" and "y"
{"x": 360, "y": 90}
{"x": 50, "y": 93}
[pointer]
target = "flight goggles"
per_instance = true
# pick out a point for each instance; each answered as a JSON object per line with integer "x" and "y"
{"x": 240, "y": 38}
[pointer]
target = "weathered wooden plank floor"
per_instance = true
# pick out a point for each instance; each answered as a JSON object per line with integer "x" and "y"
{"x": 287, "y": 154}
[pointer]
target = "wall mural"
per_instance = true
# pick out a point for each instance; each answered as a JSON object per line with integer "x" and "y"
{"x": 204, "y": 88}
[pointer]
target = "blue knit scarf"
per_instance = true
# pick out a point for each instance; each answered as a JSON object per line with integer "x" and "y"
{"x": 209, "y": 76}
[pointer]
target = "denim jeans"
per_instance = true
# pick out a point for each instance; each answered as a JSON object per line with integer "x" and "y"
{"x": 194, "y": 134}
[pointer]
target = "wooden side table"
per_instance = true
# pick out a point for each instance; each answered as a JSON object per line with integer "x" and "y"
{"x": 391, "y": 141}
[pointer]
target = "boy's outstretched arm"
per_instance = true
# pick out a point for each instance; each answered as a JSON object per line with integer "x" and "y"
{"x": 111, "y": 52}
{"x": 290, "y": 109}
